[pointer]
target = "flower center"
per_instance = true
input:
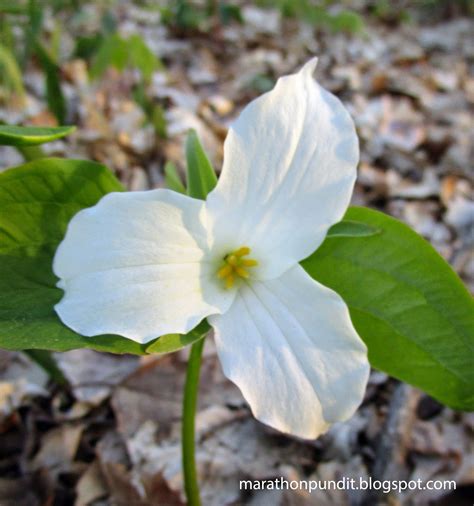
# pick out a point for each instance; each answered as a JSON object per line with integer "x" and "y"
{"x": 236, "y": 266}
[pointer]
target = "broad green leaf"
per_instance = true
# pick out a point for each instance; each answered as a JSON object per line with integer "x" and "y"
{"x": 174, "y": 342}
{"x": 172, "y": 179}
{"x": 407, "y": 304}
{"x": 37, "y": 200}
{"x": 349, "y": 228}
{"x": 11, "y": 135}
{"x": 201, "y": 178}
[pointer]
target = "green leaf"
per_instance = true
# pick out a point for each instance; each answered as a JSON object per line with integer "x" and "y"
{"x": 11, "y": 7}
{"x": 109, "y": 22}
{"x": 31, "y": 136}
{"x": 346, "y": 21}
{"x": 172, "y": 179}
{"x": 37, "y": 200}
{"x": 141, "y": 57}
{"x": 10, "y": 73}
{"x": 88, "y": 45}
{"x": 54, "y": 94}
{"x": 229, "y": 13}
{"x": 113, "y": 52}
{"x": 174, "y": 342}
{"x": 157, "y": 118}
{"x": 201, "y": 178}
{"x": 33, "y": 29}
{"x": 349, "y": 228}
{"x": 154, "y": 112}
{"x": 407, "y": 304}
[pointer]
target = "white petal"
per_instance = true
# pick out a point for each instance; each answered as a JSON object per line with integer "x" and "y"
{"x": 135, "y": 265}
{"x": 290, "y": 346}
{"x": 289, "y": 170}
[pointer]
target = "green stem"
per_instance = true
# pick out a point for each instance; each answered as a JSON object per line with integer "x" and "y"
{"x": 189, "y": 411}
{"x": 45, "y": 360}
{"x": 30, "y": 153}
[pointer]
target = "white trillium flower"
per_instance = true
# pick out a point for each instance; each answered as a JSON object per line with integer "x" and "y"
{"x": 144, "y": 264}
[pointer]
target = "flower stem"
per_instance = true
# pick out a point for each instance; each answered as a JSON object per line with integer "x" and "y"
{"x": 189, "y": 411}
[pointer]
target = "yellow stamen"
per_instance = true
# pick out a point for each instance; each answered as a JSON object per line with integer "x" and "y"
{"x": 223, "y": 272}
{"x": 229, "y": 281}
{"x": 249, "y": 262}
{"x": 242, "y": 272}
{"x": 234, "y": 266}
{"x": 241, "y": 252}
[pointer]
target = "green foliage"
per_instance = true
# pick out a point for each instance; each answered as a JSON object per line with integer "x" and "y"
{"x": 52, "y": 71}
{"x": 194, "y": 15}
{"x": 10, "y": 73}
{"x": 32, "y": 30}
{"x": 350, "y": 228}
{"x": 201, "y": 177}
{"x": 108, "y": 22}
{"x": 188, "y": 15}
{"x": 407, "y": 304}
{"x": 31, "y": 136}
{"x": 11, "y": 7}
{"x": 261, "y": 83}
{"x": 387, "y": 11}
{"x": 141, "y": 57}
{"x": 37, "y": 201}
{"x": 410, "y": 308}
{"x": 345, "y": 21}
{"x": 7, "y": 37}
{"x": 33, "y": 13}
{"x": 103, "y": 50}
{"x": 174, "y": 342}
{"x": 172, "y": 179}
{"x": 318, "y": 14}
{"x": 88, "y": 45}
{"x": 228, "y": 13}
{"x": 419, "y": 10}
{"x": 154, "y": 112}
{"x": 45, "y": 360}
{"x": 114, "y": 51}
